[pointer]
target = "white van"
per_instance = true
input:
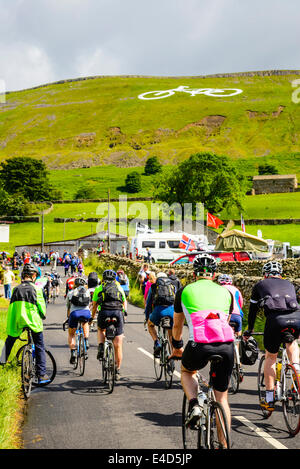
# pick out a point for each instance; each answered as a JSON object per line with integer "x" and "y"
{"x": 164, "y": 246}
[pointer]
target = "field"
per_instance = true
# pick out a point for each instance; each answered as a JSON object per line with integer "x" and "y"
{"x": 102, "y": 121}
{"x": 264, "y": 206}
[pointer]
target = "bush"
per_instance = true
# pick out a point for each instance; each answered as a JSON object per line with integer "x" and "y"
{"x": 13, "y": 205}
{"x": 152, "y": 166}
{"x": 133, "y": 182}
{"x": 267, "y": 169}
{"x": 85, "y": 192}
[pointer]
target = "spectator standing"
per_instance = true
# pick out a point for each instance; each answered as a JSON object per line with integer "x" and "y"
{"x": 8, "y": 278}
{"x": 151, "y": 280}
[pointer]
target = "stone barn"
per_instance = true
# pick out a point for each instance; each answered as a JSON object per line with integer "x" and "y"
{"x": 272, "y": 183}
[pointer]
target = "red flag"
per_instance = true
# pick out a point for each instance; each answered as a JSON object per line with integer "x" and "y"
{"x": 187, "y": 243}
{"x": 213, "y": 221}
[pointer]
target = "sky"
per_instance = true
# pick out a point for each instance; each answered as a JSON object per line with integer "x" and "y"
{"x": 42, "y": 41}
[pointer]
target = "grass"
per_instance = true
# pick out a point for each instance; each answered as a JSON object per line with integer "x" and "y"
{"x": 10, "y": 386}
{"x": 45, "y": 122}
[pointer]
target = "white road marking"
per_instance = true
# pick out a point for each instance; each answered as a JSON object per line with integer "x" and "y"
{"x": 260, "y": 432}
{"x": 150, "y": 355}
{"x": 242, "y": 419}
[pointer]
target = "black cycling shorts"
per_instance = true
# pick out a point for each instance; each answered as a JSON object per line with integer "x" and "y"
{"x": 102, "y": 315}
{"x": 275, "y": 324}
{"x": 195, "y": 357}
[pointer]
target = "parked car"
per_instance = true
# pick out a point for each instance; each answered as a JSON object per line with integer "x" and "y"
{"x": 220, "y": 256}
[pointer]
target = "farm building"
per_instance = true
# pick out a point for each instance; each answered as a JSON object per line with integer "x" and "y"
{"x": 73, "y": 245}
{"x": 267, "y": 184}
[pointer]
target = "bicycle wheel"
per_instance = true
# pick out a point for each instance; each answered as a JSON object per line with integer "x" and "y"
{"x": 27, "y": 370}
{"x": 110, "y": 360}
{"x": 156, "y": 94}
{"x": 167, "y": 365}
{"x": 235, "y": 379}
{"x": 291, "y": 402}
{"x": 158, "y": 364}
{"x": 218, "y": 433}
{"x": 190, "y": 438}
{"x": 261, "y": 385}
{"x": 50, "y": 370}
{"x": 226, "y": 92}
{"x": 82, "y": 354}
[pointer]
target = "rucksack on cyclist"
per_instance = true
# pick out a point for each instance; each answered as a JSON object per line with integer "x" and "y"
{"x": 249, "y": 351}
{"x": 110, "y": 294}
{"x": 80, "y": 297}
{"x": 164, "y": 292}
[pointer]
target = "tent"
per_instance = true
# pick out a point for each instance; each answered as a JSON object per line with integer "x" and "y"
{"x": 236, "y": 240}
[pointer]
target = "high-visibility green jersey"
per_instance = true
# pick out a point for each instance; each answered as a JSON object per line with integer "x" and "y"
{"x": 27, "y": 309}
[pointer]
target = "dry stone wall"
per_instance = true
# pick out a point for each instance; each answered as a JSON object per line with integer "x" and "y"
{"x": 245, "y": 274}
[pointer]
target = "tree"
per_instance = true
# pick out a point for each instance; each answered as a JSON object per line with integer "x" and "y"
{"x": 13, "y": 205}
{"x": 133, "y": 182}
{"x": 267, "y": 169}
{"x": 152, "y": 166}
{"x": 85, "y": 192}
{"x": 26, "y": 176}
{"x": 205, "y": 177}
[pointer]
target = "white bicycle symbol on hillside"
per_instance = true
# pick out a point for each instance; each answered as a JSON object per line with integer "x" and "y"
{"x": 214, "y": 92}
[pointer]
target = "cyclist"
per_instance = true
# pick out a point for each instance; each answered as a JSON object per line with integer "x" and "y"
{"x": 237, "y": 313}
{"x": 70, "y": 283}
{"x": 124, "y": 282}
{"x": 55, "y": 282}
{"x": 28, "y": 309}
{"x": 160, "y": 303}
{"x": 43, "y": 282}
{"x": 205, "y": 306}
{"x": 78, "y": 301}
{"x": 111, "y": 300}
{"x": 277, "y": 296}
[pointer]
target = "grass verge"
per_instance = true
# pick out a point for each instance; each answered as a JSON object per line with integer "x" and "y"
{"x": 11, "y": 415}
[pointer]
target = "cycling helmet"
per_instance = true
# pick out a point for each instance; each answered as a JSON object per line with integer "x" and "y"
{"x": 29, "y": 270}
{"x": 204, "y": 263}
{"x": 225, "y": 279}
{"x": 272, "y": 268}
{"x": 109, "y": 275}
{"x": 79, "y": 281}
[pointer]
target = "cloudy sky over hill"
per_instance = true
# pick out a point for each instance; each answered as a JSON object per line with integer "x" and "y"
{"x": 47, "y": 40}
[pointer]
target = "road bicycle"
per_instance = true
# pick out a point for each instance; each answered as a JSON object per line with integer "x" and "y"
{"x": 212, "y": 431}
{"x": 26, "y": 358}
{"x": 108, "y": 360}
{"x": 237, "y": 374}
{"x": 213, "y": 92}
{"x": 162, "y": 364}
{"x": 80, "y": 349}
{"x": 287, "y": 390}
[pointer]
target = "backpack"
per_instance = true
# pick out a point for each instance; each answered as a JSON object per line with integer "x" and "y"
{"x": 93, "y": 280}
{"x": 249, "y": 351}
{"x": 122, "y": 279}
{"x": 80, "y": 297}
{"x": 164, "y": 292}
{"x": 110, "y": 294}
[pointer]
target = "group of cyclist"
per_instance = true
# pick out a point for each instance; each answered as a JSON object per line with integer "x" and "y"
{"x": 206, "y": 306}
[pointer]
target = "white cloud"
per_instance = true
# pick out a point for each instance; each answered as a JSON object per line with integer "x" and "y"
{"x": 97, "y": 63}
{"x": 24, "y": 66}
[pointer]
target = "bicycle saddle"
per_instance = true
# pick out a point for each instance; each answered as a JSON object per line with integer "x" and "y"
{"x": 215, "y": 358}
{"x": 165, "y": 322}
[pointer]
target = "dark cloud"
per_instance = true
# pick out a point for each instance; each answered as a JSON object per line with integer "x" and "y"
{"x": 46, "y": 40}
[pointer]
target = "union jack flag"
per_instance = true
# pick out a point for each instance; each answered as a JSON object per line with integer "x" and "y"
{"x": 187, "y": 243}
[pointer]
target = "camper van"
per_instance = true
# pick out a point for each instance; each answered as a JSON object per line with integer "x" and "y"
{"x": 164, "y": 246}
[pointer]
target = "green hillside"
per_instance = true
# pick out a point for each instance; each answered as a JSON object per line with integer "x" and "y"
{"x": 99, "y": 121}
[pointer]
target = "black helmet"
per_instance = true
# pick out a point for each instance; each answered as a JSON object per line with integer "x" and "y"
{"x": 109, "y": 275}
{"x": 204, "y": 263}
{"x": 272, "y": 268}
{"x": 29, "y": 270}
{"x": 79, "y": 282}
